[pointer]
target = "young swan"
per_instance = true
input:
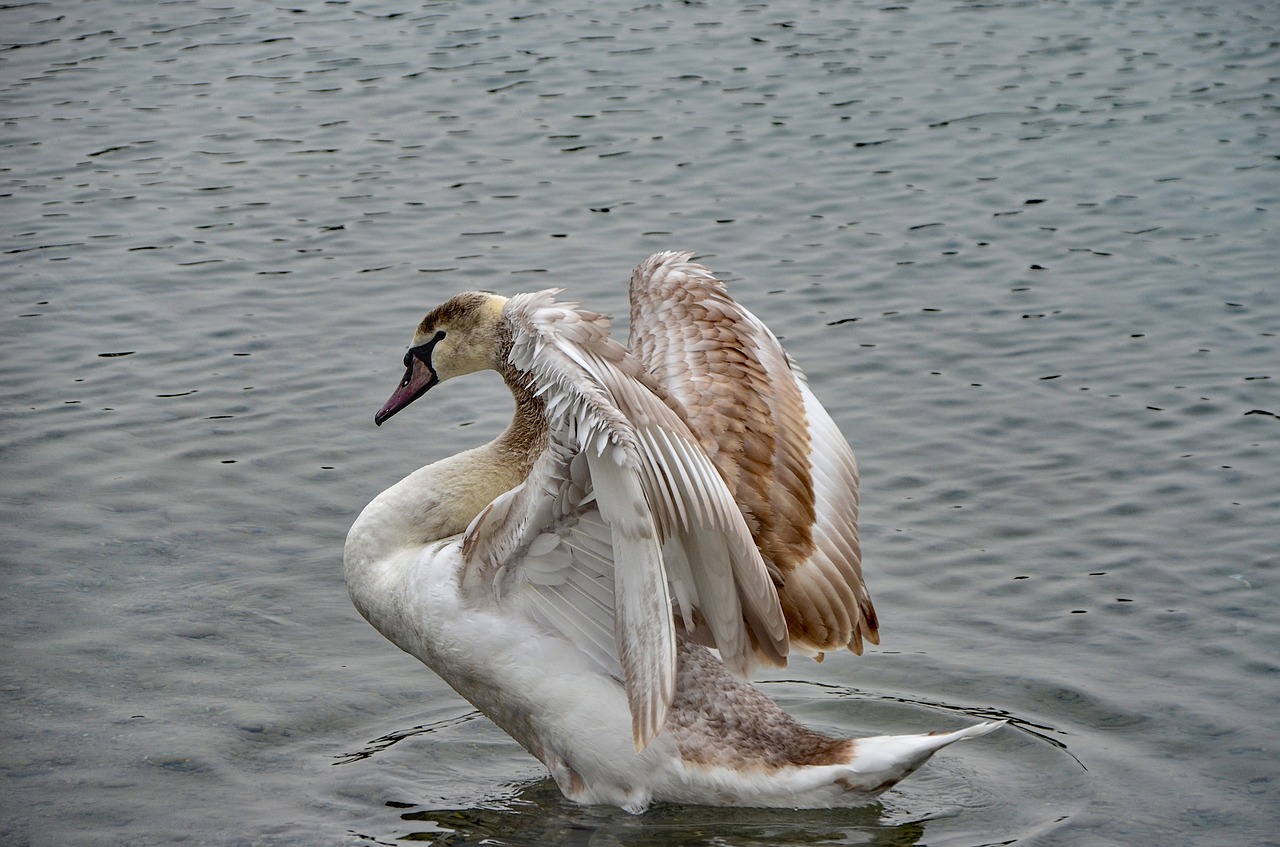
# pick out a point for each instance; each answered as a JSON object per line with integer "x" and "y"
{"x": 588, "y": 581}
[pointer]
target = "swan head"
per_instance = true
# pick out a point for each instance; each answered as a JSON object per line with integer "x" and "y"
{"x": 462, "y": 335}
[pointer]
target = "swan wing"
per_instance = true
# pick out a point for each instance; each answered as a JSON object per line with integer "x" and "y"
{"x": 782, "y": 456}
{"x": 621, "y": 514}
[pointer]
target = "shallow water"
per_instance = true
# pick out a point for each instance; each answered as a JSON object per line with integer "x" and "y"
{"x": 1026, "y": 253}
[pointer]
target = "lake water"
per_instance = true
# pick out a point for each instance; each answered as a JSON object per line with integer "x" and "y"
{"x": 1027, "y": 253}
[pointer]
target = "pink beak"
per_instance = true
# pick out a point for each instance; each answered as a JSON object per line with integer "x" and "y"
{"x": 418, "y": 379}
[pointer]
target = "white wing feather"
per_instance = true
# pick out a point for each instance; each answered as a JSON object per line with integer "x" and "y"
{"x": 622, "y": 510}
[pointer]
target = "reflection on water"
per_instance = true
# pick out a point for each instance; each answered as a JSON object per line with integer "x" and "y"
{"x": 536, "y": 814}
{"x": 1025, "y": 252}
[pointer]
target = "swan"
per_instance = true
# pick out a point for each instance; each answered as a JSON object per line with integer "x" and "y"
{"x": 656, "y": 522}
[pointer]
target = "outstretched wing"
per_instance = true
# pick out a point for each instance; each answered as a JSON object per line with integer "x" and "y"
{"x": 622, "y": 513}
{"x": 790, "y": 470}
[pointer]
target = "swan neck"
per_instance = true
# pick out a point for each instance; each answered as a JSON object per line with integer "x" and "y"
{"x": 440, "y": 500}
{"x": 525, "y": 437}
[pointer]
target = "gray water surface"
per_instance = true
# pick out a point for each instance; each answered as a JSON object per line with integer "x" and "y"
{"x": 1026, "y": 252}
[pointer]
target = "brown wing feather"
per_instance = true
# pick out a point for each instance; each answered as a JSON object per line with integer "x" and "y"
{"x": 746, "y": 402}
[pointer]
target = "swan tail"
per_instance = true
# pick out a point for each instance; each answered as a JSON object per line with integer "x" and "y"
{"x": 880, "y": 762}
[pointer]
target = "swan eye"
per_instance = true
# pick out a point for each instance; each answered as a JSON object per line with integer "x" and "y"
{"x": 423, "y": 351}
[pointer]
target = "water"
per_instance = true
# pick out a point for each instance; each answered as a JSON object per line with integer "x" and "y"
{"x": 1026, "y": 252}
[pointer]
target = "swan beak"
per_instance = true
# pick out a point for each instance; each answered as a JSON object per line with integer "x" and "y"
{"x": 418, "y": 379}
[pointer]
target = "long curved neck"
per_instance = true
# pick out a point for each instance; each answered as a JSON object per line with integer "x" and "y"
{"x": 524, "y": 439}
{"x": 441, "y": 499}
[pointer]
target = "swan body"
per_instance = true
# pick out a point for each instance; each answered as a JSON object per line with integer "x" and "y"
{"x": 602, "y": 578}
